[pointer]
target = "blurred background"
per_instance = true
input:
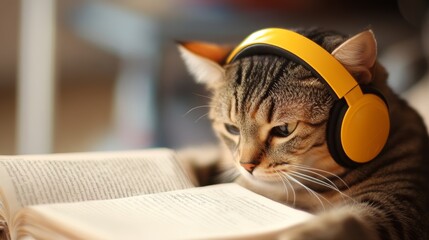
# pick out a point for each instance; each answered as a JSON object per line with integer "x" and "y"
{"x": 93, "y": 75}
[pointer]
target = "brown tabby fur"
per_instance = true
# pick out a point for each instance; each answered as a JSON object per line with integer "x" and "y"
{"x": 384, "y": 199}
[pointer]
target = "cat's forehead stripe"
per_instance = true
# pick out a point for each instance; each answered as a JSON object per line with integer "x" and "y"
{"x": 270, "y": 112}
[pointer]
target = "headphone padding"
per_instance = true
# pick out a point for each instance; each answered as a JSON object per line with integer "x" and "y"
{"x": 336, "y": 122}
{"x": 333, "y": 134}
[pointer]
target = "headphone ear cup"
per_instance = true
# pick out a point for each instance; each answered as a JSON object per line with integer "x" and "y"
{"x": 357, "y": 134}
{"x": 333, "y": 134}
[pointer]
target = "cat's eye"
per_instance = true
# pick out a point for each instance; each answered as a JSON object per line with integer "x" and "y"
{"x": 283, "y": 130}
{"x": 232, "y": 129}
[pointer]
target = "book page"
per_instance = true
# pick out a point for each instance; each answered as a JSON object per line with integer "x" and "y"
{"x": 29, "y": 180}
{"x": 213, "y": 212}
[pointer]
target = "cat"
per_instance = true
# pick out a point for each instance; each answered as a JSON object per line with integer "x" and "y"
{"x": 274, "y": 111}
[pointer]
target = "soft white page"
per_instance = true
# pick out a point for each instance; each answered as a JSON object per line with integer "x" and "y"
{"x": 40, "y": 179}
{"x": 219, "y": 211}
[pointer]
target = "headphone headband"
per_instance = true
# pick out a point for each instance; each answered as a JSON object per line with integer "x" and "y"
{"x": 299, "y": 47}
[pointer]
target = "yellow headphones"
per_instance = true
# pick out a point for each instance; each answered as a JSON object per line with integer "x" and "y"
{"x": 359, "y": 123}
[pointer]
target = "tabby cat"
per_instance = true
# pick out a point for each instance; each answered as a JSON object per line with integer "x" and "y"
{"x": 270, "y": 113}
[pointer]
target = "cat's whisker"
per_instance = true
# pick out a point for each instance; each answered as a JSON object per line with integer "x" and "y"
{"x": 211, "y": 98}
{"x": 201, "y": 95}
{"x": 199, "y": 107}
{"x": 284, "y": 180}
{"x": 204, "y": 96}
{"x": 314, "y": 170}
{"x": 195, "y": 108}
{"x": 284, "y": 184}
{"x": 317, "y": 181}
{"x": 293, "y": 189}
{"x": 322, "y": 183}
{"x": 333, "y": 186}
{"x": 316, "y": 195}
{"x": 198, "y": 119}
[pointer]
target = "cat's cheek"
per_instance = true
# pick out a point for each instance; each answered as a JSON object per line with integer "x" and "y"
{"x": 265, "y": 175}
{"x": 256, "y": 176}
{"x": 245, "y": 173}
{"x": 258, "y": 181}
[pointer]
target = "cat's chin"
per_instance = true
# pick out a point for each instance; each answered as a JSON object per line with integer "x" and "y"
{"x": 268, "y": 178}
{"x": 263, "y": 177}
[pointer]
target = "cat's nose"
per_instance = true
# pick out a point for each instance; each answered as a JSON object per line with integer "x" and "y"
{"x": 249, "y": 166}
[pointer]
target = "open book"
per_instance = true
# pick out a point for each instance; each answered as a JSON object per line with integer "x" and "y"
{"x": 145, "y": 194}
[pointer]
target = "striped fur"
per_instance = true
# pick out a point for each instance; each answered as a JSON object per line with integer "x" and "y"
{"x": 384, "y": 199}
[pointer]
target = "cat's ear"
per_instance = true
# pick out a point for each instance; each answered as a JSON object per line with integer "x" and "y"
{"x": 204, "y": 60}
{"x": 358, "y": 54}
